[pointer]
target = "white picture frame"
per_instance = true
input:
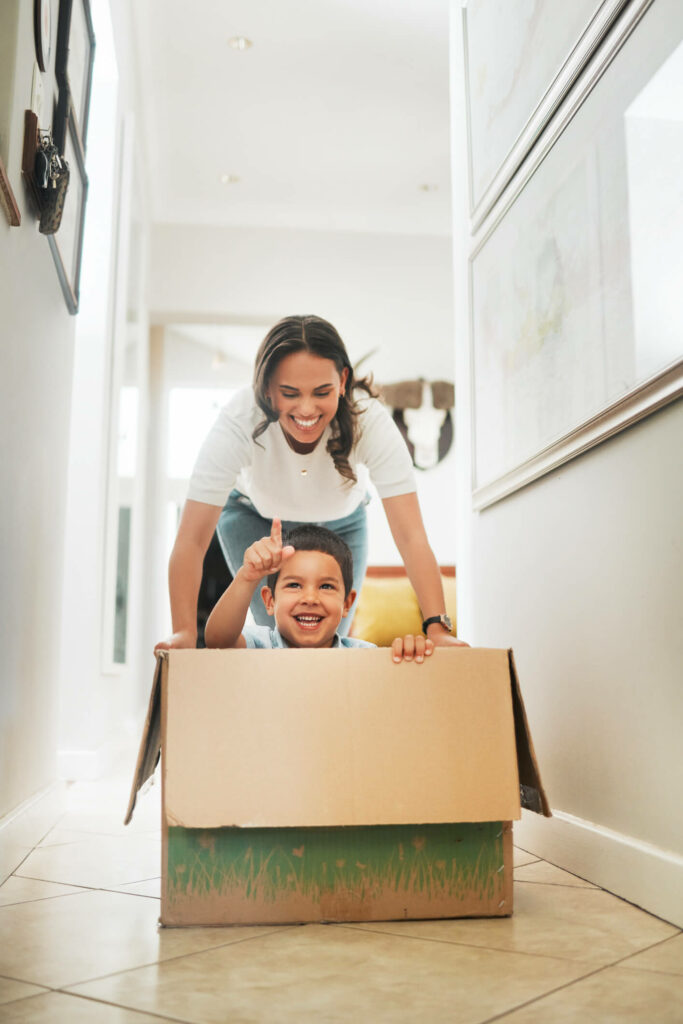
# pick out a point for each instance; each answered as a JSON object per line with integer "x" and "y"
{"x": 583, "y": 334}
{"x": 521, "y": 60}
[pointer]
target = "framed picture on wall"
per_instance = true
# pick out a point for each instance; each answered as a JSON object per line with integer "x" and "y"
{"x": 576, "y": 327}
{"x": 521, "y": 61}
{"x": 74, "y": 63}
{"x": 67, "y": 244}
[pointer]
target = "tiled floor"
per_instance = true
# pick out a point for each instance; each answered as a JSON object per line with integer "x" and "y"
{"x": 79, "y": 942}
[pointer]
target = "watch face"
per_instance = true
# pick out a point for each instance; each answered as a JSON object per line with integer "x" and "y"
{"x": 447, "y": 623}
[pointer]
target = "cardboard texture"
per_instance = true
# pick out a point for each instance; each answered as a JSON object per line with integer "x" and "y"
{"x": 317, "y": 785}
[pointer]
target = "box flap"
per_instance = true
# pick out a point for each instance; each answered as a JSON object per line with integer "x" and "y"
{"x": 312, "y": 738}
{"x": 150, "y": 744}
{"x": 532, "y": 794}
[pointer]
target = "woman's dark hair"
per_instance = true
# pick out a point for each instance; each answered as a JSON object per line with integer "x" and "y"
{"x": 317, "y": 336}
{"x": 311, "y": 537}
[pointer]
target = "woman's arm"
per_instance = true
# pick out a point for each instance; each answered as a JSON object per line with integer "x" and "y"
{"x": 407, "y": 528}
{"x": 197, "y": 525}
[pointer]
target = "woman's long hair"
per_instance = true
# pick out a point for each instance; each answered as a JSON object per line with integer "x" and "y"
{"x": 317, "y": 336}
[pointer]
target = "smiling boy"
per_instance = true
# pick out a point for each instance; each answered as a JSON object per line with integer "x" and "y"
{"x": 309, "y": 591}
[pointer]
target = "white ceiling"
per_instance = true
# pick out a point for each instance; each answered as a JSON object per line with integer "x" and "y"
{"x": 332, "y": 120}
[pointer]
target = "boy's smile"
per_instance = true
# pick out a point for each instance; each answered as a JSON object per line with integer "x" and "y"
{"x": 309, "y": 601}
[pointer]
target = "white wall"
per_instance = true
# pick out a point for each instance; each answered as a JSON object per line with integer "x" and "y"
{"x": 391, "y": 292}
{"x": 100, "y": 700}
{"x": 36, "y": 351}
{"x": 581, "y": 573}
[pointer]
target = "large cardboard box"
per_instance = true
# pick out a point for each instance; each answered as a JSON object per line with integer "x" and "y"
{"x": 337, "y": 786}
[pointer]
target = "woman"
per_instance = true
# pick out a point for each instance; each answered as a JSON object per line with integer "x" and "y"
{"x": 300, "y": 446}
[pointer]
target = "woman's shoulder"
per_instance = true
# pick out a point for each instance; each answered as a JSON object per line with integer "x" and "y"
{"x": 241, "y": 408}
{"x": 241, "y": 401}
{"x": 372, "y": 410}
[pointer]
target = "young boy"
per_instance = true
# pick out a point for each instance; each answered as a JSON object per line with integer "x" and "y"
{"x": 308, "y": 592}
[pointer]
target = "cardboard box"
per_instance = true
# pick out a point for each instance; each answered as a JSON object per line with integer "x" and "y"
{"x": 337, "y": 786}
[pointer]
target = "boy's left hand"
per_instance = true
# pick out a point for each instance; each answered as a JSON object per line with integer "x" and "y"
{"x": 411, "y": 648}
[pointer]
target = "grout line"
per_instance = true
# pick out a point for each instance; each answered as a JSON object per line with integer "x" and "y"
{"x": 646, "y": 949}
{"x": 137, "y": 881}
{"x": 559, "y": 885}
{"x": 546, "y": 995}
{"x": 180, "y": 956}
{"x": 469, "y": 945}
{"x": 123, "y": 1006}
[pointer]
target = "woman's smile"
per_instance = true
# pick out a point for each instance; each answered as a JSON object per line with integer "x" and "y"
{"x": 306, "y": 424}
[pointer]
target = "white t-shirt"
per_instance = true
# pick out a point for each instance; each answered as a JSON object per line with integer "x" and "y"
{"x": 272, "y": 475}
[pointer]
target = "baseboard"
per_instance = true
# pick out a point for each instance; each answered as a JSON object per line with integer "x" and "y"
{"x": 25, "y": 826}
{"x": 639, "y": 872}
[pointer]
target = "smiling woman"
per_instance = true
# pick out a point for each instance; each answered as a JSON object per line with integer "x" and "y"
{"x": 301, "y": 446}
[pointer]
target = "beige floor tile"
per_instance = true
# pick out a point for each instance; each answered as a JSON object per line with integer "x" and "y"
{"x": 666, "y": 957}
{"x": 146, "y": 887}
{"x": 70, "y": 939}
{"x": 579, "y": 924}
{"x": 147, "y": 818}
{"x": 101, "y": 862}
{"x": 58, "y": 1008}
{"x": 541, "y": 871}
{"x": 59, "y": 836}
{"x": 20, "y": 890}
{"x": 11, "y": 990}
{"x": 521, "y": 857}
{"x": 613, "y": 996}
{"x": 331, "y": 974}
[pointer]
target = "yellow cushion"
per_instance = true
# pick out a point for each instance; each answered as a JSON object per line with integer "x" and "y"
{"x": 388, "y": 608}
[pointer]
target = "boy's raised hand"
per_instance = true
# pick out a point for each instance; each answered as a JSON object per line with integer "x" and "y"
{"x": 411, "y": 648}
{"x": 266, "y": 555}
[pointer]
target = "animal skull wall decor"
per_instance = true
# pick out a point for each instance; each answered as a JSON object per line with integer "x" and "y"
{"x": 422, "y": 412}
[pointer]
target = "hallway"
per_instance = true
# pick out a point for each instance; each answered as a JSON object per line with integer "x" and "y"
{"x": 79, "y": 943}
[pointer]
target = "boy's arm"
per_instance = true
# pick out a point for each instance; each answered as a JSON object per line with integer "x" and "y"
{"x": 226, "y": 622}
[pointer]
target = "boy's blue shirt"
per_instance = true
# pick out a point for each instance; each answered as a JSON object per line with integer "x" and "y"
{"x": 263, "y": 638}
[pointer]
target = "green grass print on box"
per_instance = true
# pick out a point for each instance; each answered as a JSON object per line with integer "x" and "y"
{"x": 268, "y": 864}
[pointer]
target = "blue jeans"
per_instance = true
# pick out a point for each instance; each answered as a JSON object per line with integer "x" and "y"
{"x": 241, "y": 525}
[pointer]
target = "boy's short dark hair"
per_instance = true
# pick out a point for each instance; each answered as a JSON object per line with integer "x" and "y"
{"x": 310, "y": 537}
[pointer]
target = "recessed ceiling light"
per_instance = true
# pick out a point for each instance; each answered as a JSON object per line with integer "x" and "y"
{"x": 240, "y": 43}
{"x": 427, "y": 187}
{"x": 229, "y": 179}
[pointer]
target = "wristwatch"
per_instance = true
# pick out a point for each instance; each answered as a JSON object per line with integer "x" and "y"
{"x": 443, "y": 619}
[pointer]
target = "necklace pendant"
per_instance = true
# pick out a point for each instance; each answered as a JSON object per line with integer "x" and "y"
{"x": 304, "y": 472}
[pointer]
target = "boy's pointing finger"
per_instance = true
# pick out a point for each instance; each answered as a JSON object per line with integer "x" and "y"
{"x": 276, "y": 532}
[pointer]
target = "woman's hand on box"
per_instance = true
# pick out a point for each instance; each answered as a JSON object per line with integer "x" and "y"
{"x": 442, "y": 639}
{"x": 411, "y": 648}
{"x": 183, "y": 638}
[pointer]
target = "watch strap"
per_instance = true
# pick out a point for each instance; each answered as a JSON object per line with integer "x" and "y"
{"x": 433, "y": 619}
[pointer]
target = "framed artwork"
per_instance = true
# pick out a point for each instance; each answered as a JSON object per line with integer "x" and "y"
{"x": 67, "y": 244}
{"x": 521, "y": 59}
{"x": 581, "y": 334}
{"x": 74, "y": 64}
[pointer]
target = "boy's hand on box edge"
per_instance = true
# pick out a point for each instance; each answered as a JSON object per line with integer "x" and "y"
{"x": 266, "y": 555}
{"x": 411, "y": 648}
